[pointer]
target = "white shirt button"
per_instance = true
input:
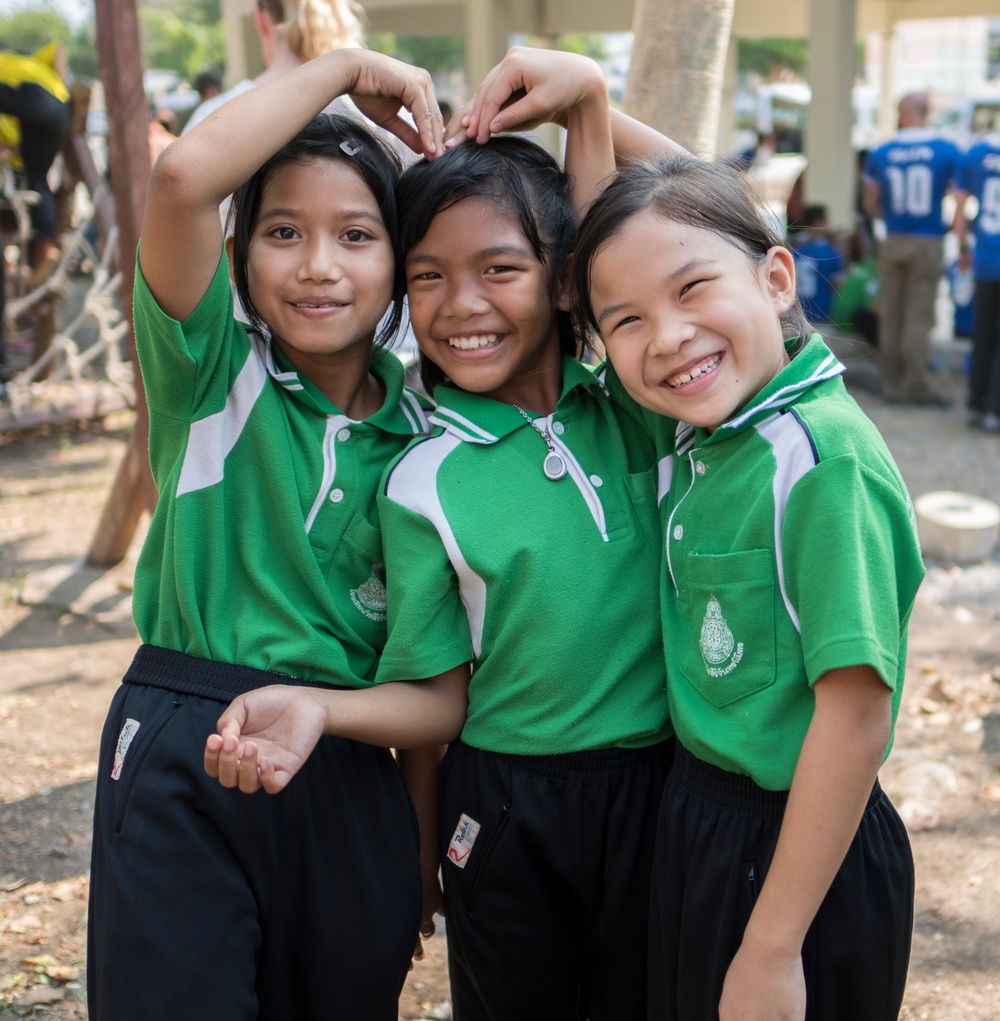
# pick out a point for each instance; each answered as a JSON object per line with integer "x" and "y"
{"x": 558, "y": 428}
{"x": 596, "y": 481}
{"x": 344, "y": 434}
{"x": 336, "y": 495}
{"x": 678, "y": 531}
{"x": 699, "y": 467}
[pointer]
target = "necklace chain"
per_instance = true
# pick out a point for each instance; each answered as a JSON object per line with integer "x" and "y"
{"x": 554, "y": 465}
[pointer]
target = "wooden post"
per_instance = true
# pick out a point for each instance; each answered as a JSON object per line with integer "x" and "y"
{"x": 119, "y": 53}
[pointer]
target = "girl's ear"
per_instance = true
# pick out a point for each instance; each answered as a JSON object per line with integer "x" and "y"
{"x": 779, "y": 278}
{"x": 564, "y": 288}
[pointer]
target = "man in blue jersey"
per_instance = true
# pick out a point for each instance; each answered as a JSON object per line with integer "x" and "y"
{"x": 905, "y": 182}
{"x": 981, "y": 177}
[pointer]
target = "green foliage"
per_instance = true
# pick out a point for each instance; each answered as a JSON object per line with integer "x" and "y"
{"x": 197, "y": 12}
{"x": 767, "y": 56}
{"x": 585, "y": 43}
{"x": 171, "y": 43}
{"x": 82, "y": 52}
{"x": 27, "y": 29}
{"x": 167, "y": 42}
{"x": 438, "y": 54}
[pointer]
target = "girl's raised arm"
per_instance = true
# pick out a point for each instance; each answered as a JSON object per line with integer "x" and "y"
{"x": 181, "y": 232}
{"x": 533, "y": 86}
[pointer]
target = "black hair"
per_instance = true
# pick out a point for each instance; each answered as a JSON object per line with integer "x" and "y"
{"x": 523, "y": 179}
{"x": 328, "y": 136}
{"x": 711, "y": 196}
{"x": 206, "y": 78}
{"x": 814, "y": 214}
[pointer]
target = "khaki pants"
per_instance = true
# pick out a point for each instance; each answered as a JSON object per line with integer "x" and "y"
{"x": 909, "y": 268}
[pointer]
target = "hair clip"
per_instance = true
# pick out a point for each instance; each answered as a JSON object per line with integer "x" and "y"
{"x": 350, "y": 148}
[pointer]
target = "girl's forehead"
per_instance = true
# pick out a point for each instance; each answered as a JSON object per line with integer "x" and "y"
{"x": 473, "y": 223}
{"x": 320, "y": 174}
{"x": 485, "y": 211}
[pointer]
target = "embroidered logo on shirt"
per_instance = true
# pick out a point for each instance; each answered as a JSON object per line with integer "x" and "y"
{"x": 129, "y": 731}
{"x": 369, "y": 598}
{"x": 717, "y": 642}
{"x": 460, "y": 846}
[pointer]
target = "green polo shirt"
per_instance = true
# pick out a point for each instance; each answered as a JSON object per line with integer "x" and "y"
{"x": 265, "y": 548}
{"x": 791, "y": 550}
{"x": 548, "y": 587}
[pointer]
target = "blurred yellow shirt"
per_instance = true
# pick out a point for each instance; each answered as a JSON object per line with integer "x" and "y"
{"x": 39, "y": 68}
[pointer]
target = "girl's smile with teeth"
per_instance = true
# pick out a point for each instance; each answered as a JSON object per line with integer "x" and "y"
{"x": 694, "y": 373}
{"x": 476, "y": 341}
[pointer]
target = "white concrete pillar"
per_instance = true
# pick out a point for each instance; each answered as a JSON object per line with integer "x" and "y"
{"x": 830, "y": 177}
{"x": 485, "y": 39}
{"x": 888, "y": 112}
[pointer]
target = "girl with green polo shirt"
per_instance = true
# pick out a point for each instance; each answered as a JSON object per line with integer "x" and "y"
{"x": 783, "y": 883}
{"x": 263, "y": 566}
{"x": 521, "y": 535}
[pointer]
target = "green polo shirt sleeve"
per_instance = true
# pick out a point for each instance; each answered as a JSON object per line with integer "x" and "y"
{"x": 194, "y": 362}
{"x": 427, "y": 623}
{"x": 856, "y": 569}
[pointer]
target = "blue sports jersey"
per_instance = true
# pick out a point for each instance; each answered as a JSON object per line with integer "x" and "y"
{"x": 818, "y": 263}
{"x": 981, "y": 177}
{"x": 913, "y": 171}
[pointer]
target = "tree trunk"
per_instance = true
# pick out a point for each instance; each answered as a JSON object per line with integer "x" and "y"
{"x": 678, "y": 59}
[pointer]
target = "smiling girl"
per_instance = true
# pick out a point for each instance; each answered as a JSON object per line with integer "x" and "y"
{"x": 262, "y": 566}
{"x": 783, "y": 881}
{"x": 520, "y": 536}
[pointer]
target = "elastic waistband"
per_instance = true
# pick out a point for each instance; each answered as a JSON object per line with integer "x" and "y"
{"x": 177, "y": 671}
{"x": 574, "y": 765}
{"x": 734, "y": 792}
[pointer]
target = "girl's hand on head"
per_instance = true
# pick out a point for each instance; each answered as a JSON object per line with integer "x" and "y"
{"x": 456, "y": 130}
{"x": 531, "y": 87}
{"x": 762, "y": 985}
{"x": 382, "y": 85}
{"x": 264, "y": 737}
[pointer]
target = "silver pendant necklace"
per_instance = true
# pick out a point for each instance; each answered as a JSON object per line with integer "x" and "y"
{"x": 553, "y": 466}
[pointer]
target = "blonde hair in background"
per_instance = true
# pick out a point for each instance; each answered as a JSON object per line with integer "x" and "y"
{"x": 312, "y": 27}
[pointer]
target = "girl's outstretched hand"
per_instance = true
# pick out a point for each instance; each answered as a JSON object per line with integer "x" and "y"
{"x": 527, "y": 88}
{"x": 264, "y": 737}
{"x": 383, "y": 84}
{"x": 763, "y": 986}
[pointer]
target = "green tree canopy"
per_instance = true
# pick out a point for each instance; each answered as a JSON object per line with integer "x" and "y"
{"x": 438, "y": 54}
{"x": 171, "y": 42}
{"x": 27, "y": 29}
{"x": 767, "y": 57}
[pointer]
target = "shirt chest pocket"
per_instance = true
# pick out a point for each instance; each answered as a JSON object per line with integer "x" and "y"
{"x": 729, "y": 640}
{"x": 355, "y": 574}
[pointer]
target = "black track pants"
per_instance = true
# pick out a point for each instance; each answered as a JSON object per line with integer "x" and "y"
{"x": 210, "y": 903}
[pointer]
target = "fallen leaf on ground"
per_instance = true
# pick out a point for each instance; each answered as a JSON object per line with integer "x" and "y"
{"x": 38, "y": 995}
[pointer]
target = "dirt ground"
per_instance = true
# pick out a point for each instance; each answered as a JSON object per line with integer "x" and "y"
{"x": 66, "y": 637}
